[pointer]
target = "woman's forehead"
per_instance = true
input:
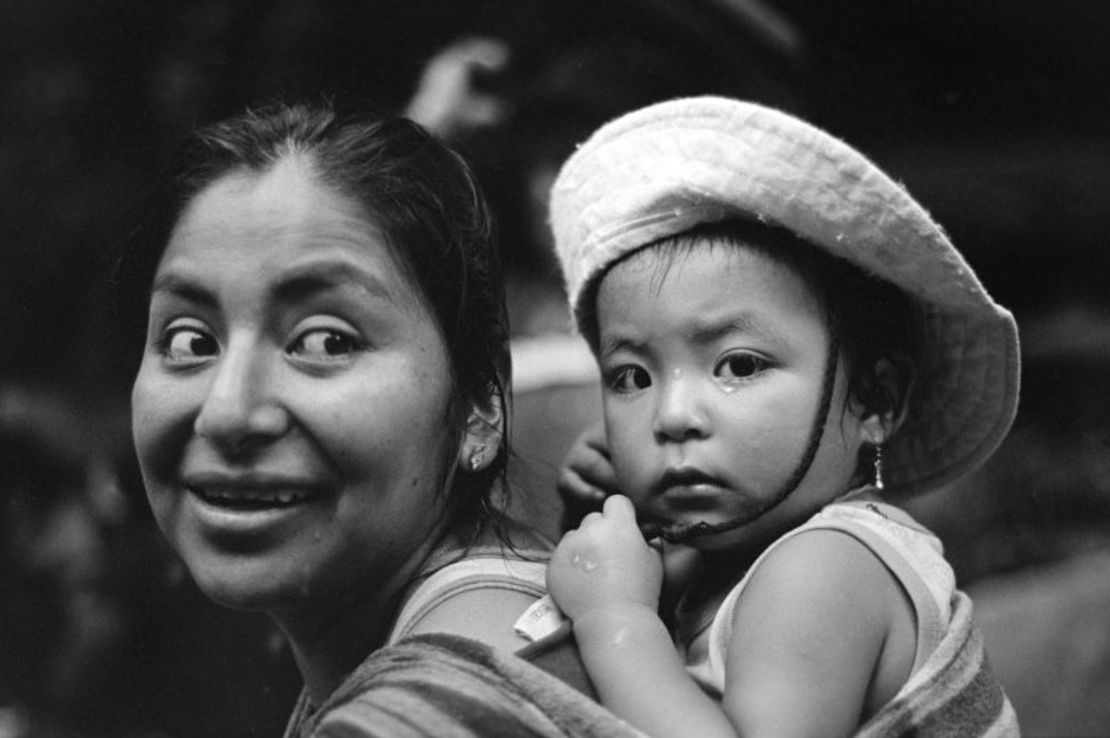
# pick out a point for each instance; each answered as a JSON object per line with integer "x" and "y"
{"x": 281, "y": 220}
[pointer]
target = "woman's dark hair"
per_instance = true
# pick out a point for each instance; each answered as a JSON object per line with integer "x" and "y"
{"x": 428, "y": 205}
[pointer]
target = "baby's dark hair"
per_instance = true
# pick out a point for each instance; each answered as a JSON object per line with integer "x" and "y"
{"x": 422, "y": 196}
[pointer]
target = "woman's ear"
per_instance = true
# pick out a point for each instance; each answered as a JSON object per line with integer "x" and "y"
{"x": 884, "y": 398}
{"x": 485, "y": 427}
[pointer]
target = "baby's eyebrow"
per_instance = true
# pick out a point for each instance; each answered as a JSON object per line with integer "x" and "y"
{"x": 703, "y": 330}
{"x": 710, "y": 330}
{"x": 612, "y": 344}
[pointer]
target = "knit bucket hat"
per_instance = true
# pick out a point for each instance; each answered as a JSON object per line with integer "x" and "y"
{"x": 666, "y": 168}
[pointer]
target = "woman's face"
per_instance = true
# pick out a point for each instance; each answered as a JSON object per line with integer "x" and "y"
{"x": 291, "y": 413}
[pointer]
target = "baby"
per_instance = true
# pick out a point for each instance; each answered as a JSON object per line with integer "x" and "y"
{"x": 786, "y": 341}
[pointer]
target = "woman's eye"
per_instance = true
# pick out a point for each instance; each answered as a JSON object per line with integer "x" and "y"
{"x": 740, "y": 366}
{"x": 188, "y": 345}
{"x": 630, "y": 379}
{"x": 324, "y": 345}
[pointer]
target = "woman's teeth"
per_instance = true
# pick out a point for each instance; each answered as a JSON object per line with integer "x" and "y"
{"x": 254, "y": 497}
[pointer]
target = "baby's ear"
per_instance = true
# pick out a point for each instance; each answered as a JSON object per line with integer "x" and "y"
{"x": 883, "y": 398}
{"x": 485, "y": 426}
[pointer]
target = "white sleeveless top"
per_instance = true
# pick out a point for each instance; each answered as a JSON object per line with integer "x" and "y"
{"x": 913, "y": 554}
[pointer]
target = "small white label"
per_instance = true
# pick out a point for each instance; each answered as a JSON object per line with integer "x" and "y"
{"x": 541, "y": 620}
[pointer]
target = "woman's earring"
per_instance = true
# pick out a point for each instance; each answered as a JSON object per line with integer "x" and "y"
{"x": 878, "y": 483}
{"x": 477, "y": 457}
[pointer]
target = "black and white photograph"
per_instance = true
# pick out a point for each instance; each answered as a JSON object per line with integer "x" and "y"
{"x": 579, "y": 369}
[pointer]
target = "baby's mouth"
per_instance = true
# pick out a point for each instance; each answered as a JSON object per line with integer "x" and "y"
{"x": 686, "y": 478}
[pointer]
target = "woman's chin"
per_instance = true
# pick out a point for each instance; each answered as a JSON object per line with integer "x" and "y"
{"x": 239, "y": 589}
{"x": 237, "y": 597}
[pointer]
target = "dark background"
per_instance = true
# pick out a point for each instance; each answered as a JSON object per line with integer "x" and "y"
{"x": 994, "y": 114}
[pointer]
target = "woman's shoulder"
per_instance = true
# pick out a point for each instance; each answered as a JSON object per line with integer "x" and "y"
{"x": 478, "y": 589}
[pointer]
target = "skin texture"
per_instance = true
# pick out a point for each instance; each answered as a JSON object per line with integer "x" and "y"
{"x": 292, "y": 367}
{"x": 712, "y": 368}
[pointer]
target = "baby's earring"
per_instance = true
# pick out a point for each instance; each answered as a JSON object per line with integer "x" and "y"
{"x": 477, "y": 457}
{"x": 878, "y": 482}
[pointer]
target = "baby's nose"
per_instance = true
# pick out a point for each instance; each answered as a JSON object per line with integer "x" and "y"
{"x": 679, "y": 415}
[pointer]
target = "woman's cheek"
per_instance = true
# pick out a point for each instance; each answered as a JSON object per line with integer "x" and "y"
{"x": 160, "y": 423}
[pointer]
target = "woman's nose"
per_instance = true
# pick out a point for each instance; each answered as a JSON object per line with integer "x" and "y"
{"x": 680, "y": 415}
{"x": 240, "y": 411}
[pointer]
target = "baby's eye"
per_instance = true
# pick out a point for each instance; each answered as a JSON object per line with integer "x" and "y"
{"x": 188, "y": 345}
{"x": 740, "y": 366}
{"x": 324, "y": 345}
{"x": 629, "y": 378}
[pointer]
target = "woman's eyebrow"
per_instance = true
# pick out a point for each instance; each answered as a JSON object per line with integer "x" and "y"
{"x": 182, "y": 287}
{"x": 301, "y": 282}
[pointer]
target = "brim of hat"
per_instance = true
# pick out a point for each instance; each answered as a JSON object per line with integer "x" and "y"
{"x": 663, "y": 169}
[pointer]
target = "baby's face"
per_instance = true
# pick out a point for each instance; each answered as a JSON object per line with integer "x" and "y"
{"x": 713, "y": 365}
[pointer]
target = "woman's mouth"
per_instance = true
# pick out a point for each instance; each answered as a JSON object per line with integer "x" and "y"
{"x": 253, "y": 491}
{"x": 246, "y": 498}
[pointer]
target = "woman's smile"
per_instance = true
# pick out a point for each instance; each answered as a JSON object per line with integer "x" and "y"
{"x": 252, "y": 492}
{"x": 243, "y": 514}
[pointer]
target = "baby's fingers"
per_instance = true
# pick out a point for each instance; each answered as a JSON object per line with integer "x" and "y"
{"x": 587, "y": 466}
{"x": 619, "y": 508}
{"x": 574, "y": 489}
{"x": 620, "y": 515}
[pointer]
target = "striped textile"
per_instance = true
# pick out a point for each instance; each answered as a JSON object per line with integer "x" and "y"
{"x": 953, "y": 695}
{"x": 452, "y": 687}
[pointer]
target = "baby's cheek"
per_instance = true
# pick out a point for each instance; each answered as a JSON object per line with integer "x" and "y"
{"x": 632, "y": 470}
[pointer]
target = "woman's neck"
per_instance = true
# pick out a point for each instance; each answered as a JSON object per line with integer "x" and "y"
{"x": 331, "y": 636}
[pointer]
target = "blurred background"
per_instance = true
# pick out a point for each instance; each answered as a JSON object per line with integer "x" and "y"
{"x": 995, "y": 115}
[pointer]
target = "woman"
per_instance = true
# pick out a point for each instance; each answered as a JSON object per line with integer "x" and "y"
{"x": 320, "y": 409}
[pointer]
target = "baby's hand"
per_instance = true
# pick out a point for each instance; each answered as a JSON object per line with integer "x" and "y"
{"x": 604, "y": 562}
{"x": 587, "y": 476}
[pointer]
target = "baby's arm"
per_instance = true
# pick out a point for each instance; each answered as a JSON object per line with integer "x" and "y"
{"x": 819, "y": 615}
{"x": 607, "y": 580}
